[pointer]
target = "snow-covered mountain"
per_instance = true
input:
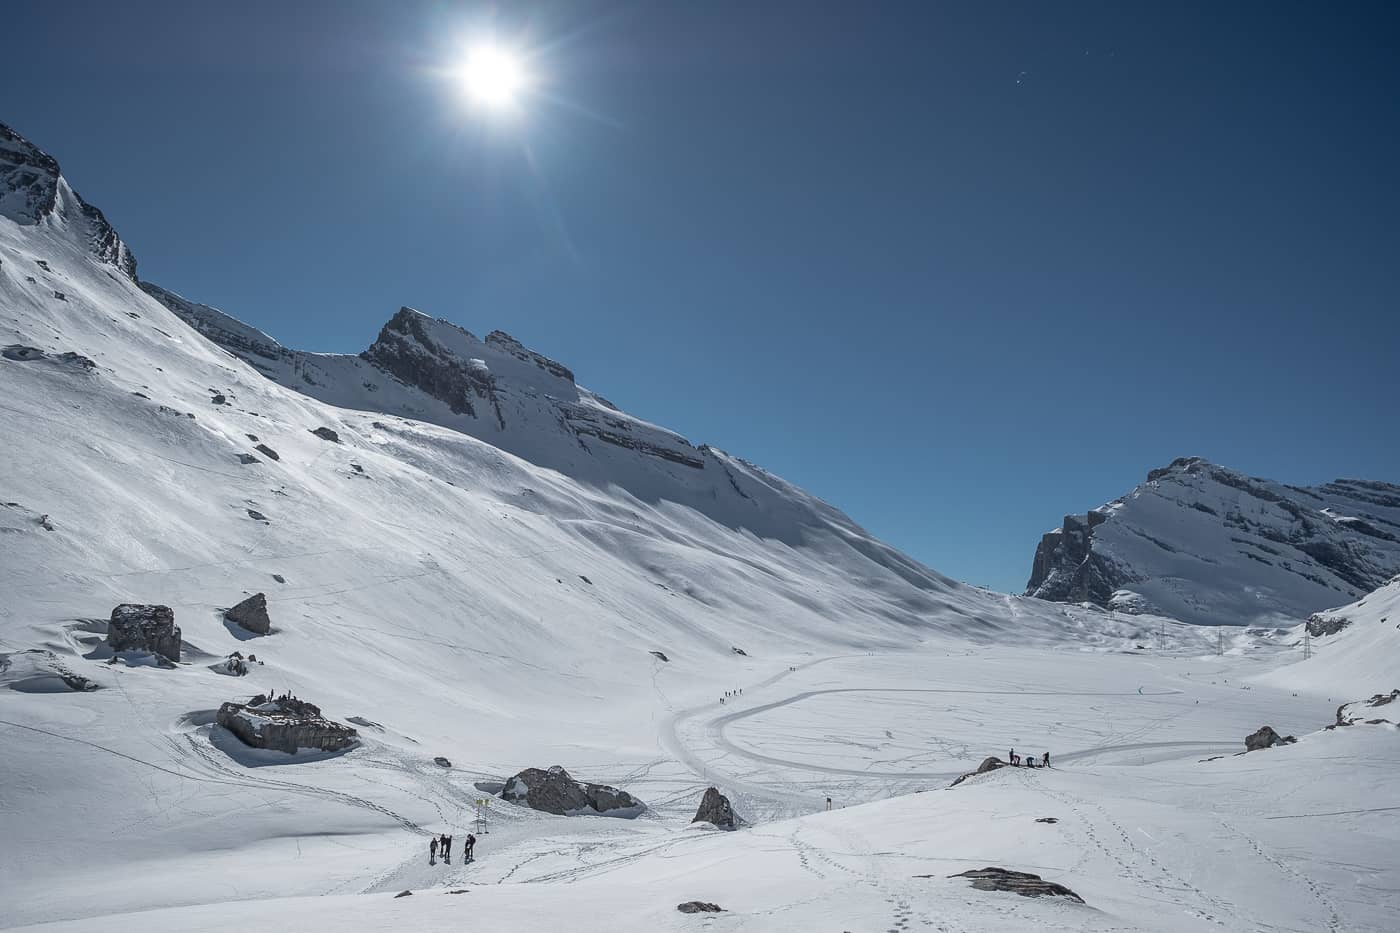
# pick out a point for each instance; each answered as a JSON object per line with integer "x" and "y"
{"x": 460, "y": 565}
{"x": 1206, "y": 544}
{"x": 523, "y": 402}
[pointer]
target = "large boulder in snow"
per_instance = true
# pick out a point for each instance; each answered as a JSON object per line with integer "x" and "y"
{"x": 251, "y": 614}
{"x": 1266, "y": 737}
{"x": 137, "y": 627}
{"x": 555, "y": 791}
{"x": 285, "y": 725}
{"x": 715, "y": 808}
{"x": 1349, "y": 714}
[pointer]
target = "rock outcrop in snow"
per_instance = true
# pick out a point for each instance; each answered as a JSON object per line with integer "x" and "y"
{"x": 251, "y": 614}
{"x": 135, "y": 627}
{"x": 1266, "y": 737}
{"x": 1206, "y": 544}
{"x": 555, "y": 791}
{"x": 716, "y": 809}
{"x": 286, "y": 725}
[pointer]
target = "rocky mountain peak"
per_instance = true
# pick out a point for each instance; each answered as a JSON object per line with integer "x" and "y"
{"x": 1209, "y": 544}
{"x": 33, "y": 190}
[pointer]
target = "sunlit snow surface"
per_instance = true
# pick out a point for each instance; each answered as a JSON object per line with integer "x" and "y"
{"x": 435, "y": 591}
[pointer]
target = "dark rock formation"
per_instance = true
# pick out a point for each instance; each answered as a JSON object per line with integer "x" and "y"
{"x": 246, "y": 459}
{"x": 251, "y": 614}
{"x": 1266, "y": 737}
{"x": 1349, "y": 714}
{"x": 442, "y": 762}
{"x": 285, "y": 724}
{"x": 29, "y": 187}
{"x": 1048, "y": 819}
{"x": 1321, "y": 624}
{"x": 268, "y": 452}
{"x": 135, "y": 627}
{"x": 326, "y": 434}
{"x": 554, "y": 791}
{"x": 1016, "y": 882}
{"x": 1066, "y": 568}
{"x": 715, "y": 808}
{"x": 659, "y": 655}
{"x": 699, "y": 907}
{"x": 739, "y": 651}
{"x": 988, "y": 764}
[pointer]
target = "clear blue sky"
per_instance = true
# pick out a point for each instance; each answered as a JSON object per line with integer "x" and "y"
{"x": 957, "y": 268}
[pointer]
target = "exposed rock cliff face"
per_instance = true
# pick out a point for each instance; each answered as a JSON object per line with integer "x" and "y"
{"x": 1206, "y": 544}
{"x": 33, "y": 191}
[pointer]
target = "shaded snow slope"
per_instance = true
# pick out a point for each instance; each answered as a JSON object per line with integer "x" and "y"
{"x": 1206, "y": 544}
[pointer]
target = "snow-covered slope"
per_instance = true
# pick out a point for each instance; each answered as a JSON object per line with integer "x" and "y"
{"x": 1206, "y": 544}
{"x": 523, "y": 402}
{"x": 1355, "y": 649}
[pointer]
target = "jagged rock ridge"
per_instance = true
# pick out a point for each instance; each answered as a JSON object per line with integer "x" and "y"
{"x": 33, "y": 191}
{"x": 1207, "y": 544}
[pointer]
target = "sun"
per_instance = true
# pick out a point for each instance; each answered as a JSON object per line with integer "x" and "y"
{"x": 493, "y": 76}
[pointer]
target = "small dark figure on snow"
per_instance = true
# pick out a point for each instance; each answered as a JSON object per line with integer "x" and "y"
{"x": 432, "y": 851}
{"x": 471, "y": 847}
{"x": 447, "y": 849}
{"x": 1046, "y": 759}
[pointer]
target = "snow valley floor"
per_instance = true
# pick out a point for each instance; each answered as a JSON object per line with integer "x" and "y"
{"x": 1150, "y": 835}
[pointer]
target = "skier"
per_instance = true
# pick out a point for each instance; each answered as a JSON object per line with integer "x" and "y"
{"x": 447, "y": 849}
{"x": 471, "y": 848}
{"x": 1013, "y": 758}
{"x": 1046, "y": 759}
{"x": 432, "y": 851}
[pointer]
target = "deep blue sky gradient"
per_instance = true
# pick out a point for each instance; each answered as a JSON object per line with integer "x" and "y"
{"x": 958, "y": 268}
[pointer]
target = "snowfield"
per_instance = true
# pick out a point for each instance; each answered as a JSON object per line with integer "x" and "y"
{"x": 501, "y": 606}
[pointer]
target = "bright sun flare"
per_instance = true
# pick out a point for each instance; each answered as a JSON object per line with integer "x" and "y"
{"x": 493, "y": 76}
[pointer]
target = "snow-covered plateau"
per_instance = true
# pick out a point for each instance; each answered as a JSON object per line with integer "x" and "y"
{"x": 474, "y": 566}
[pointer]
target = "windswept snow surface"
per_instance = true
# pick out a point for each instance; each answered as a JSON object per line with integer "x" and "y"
{"x": 450, "y": 598}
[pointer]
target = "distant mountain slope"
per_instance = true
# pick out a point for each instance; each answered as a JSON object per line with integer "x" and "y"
{"x": 1206, "y": 544}
{"x": 523, "y": 402}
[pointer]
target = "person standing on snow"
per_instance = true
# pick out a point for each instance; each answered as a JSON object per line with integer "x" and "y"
{"x": 432, "y": 851}
{"x": 471, "y": 848}
{"x": 447, "y": 849}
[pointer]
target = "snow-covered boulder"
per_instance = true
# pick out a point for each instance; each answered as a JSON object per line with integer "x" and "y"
{"x": 38, "y": 670}
{"x": 988, "y": 764}
{"x": 251, "y": 614}
{"x": 715, "y": 808}
{"x": 136, "y": 627}
{"x": 286, "y": 725}
{"x": 555, "y": 791}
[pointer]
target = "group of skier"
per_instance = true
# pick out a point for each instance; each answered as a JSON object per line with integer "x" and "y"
{"x": 1015, "y": 760}
{"x": 442, "y": 845}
